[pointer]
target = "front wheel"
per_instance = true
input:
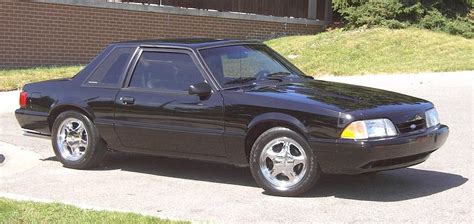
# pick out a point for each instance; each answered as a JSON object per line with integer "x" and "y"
{"x": 283, "y": 163}
{"x": 76, "y": 141}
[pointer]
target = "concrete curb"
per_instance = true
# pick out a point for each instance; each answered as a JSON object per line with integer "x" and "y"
{"x": 420, "y": 74}
{"x": 17, "y": 160}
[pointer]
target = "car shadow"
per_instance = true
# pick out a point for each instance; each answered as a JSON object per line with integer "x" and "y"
{"x": 386, "y": 186}
{"x": 179, "y": 168}
{"x": 394, "y": 185}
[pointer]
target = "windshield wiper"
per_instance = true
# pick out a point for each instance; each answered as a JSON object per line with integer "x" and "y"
{"x": 279, "y": 74}
{"x": 240, "y": 80}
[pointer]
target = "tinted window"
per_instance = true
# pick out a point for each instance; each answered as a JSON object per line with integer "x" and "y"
{"x": 112, "y": 69}
{"x": 243, "y": 61}
{"x": 167, "y": 71}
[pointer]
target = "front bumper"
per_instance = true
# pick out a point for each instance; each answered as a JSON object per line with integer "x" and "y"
{"x": 354, "y": 157}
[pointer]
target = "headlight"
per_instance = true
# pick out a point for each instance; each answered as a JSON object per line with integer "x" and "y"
{"x": 432, "y": 118}
{"x": 369, "y": 129}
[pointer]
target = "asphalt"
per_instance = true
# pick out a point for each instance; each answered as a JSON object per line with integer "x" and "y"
{"x": 439, "y": 190}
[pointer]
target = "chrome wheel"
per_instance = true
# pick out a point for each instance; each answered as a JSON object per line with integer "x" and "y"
{"x": 283, "y": 163}
{"x": 72, "y": 139}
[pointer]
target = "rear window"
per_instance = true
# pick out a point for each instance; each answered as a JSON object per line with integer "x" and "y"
{"x": 112, "y": 69}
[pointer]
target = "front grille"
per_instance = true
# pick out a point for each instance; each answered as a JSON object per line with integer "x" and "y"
{"x": 411, "y": 126}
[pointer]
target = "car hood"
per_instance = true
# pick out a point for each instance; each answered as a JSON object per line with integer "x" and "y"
{"x": 339, "y": 96}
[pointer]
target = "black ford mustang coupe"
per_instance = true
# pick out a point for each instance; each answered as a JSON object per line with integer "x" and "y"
{"x": 229, "y": 101}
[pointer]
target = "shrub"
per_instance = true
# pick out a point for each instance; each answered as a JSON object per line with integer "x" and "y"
{"x": 451, "y": 16}
{"x": 376, "y": 13}
{"x": 433, "y": 20}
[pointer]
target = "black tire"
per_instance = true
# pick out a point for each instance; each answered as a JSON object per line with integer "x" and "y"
{"x": 96, "y": 147}
{"x": 307, "y": 181}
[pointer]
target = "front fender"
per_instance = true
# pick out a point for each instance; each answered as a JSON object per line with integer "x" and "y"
{"x": 279, "y": 118}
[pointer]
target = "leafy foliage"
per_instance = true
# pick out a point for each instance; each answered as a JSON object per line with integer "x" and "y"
{"x": 450, "y": 16}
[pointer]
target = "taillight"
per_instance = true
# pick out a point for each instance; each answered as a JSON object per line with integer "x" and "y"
{"x": 23, "y": 96}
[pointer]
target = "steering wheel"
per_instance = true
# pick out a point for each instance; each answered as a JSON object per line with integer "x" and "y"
{"x": 262, "y": 74}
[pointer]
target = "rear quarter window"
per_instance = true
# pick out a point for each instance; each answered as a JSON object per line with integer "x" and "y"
{"x": 111, "y": 70}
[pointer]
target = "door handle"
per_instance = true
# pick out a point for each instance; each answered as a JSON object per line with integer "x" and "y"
{"x": 126, "y": 100}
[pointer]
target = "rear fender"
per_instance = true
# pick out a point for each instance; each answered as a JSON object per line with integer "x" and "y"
{"x": 72, "y": 104}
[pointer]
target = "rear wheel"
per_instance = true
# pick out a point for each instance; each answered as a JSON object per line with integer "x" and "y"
{"x": 283, "y": 163}
{"x": 76, "y": 141}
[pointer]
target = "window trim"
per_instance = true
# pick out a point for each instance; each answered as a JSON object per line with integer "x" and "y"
{"x": 142, "y": 49}
{"x": 86, "y": 83}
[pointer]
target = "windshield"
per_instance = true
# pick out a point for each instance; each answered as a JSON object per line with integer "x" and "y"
{"x": 240, "y": 64}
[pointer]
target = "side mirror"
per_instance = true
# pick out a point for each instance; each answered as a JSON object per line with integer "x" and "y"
{"x": 202, "y": 89}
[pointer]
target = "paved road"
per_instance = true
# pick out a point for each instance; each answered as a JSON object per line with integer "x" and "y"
{"x": 438, "y": 190}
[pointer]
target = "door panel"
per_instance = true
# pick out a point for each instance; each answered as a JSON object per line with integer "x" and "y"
{"x": 199, "y": 125}
{"x": 145, "y": 124}
{"x": 170, "y": 122}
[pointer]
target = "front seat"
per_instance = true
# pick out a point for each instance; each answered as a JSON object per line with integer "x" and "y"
{"x": 162, "y": 76}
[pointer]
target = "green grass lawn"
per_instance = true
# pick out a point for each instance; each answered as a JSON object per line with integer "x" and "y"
{"x": 13, "y": 79}
{"x": 32, "y": 212}
{"x": 377, "y": 51}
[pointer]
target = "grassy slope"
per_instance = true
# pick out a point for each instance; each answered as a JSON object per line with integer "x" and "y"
{"x": 15, "y": 78}
{"x": 377, "y": 51}
{"x": 30, "y": 212}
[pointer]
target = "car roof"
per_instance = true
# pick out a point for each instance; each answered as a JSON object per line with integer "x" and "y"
{"x": 194, "y": 43}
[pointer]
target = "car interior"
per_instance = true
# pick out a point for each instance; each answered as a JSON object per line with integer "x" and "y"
{"x": 170, "y": 73}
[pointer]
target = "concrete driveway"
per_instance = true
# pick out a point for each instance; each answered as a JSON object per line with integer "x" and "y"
{"x": 438, "y": 190}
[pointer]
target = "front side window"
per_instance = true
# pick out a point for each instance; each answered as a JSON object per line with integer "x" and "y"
{"x": 165, "y": 71}
{"x": 112, "y": 69}
{"x": 232, "y": 65}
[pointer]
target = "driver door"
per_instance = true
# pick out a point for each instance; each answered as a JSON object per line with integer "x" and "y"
{"x": 155, "y": 112}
